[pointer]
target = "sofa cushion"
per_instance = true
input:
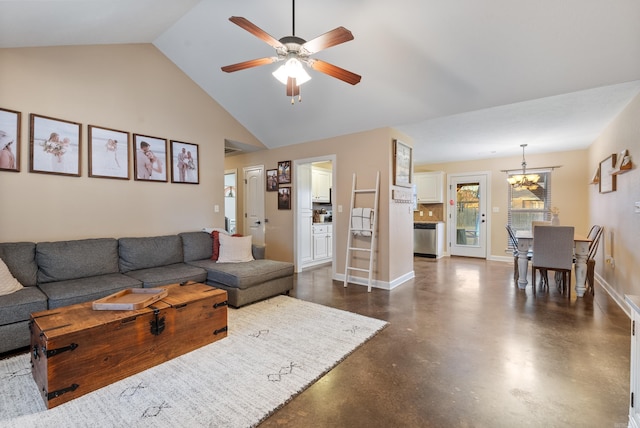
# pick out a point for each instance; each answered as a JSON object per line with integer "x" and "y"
{"x": 65, "y": 260}
{"x": 154, "y": 251}
{"x": 246, "y": 274}
{"x": 171, "y": 274}
{"x": 20, "y": 258}
{"x": 196, "y": 245}
{"x": 63, "y": 293}
{"x": 18, "y": 306}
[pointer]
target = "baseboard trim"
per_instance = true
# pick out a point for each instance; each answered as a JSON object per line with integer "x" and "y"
{"x": 383, "y": 285}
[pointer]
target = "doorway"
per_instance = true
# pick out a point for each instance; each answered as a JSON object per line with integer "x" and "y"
{"x": 315, "y": 183}
{"x": 468, "y": 219}
{"x": 254, "y": 186}
{"x": 230, "y": 200}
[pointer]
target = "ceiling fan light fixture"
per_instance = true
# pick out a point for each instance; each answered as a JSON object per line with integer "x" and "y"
{"x": 291, "y": 68}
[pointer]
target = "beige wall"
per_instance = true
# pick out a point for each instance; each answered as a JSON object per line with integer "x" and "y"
{"x": 570, "y": 189}
{"x": 132, "y": 88}
{"x": 363, "y": 154}
{"x": 615, "y": 210}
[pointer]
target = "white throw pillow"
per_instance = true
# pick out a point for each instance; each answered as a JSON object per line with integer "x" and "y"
{"x": 235, "y": 249}
{"x": 8, "y": 284}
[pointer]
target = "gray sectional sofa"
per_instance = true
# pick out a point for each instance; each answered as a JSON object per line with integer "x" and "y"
{"x": 56, "y": 274}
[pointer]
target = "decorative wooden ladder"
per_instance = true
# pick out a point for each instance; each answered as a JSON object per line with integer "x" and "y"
{"x": 370, "y": 250}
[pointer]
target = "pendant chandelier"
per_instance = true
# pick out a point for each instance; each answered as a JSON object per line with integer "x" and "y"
{"x": 524, "y": 181}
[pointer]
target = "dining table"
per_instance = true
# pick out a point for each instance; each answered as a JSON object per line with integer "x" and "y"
{"x": 581, "y": 252}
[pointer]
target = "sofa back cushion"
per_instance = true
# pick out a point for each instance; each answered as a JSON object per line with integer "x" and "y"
{"x": 149, "y": 252}
{"x": 196, "y": 245}
{"x": 20, "y": 258}
{"x": 64, "y": 260}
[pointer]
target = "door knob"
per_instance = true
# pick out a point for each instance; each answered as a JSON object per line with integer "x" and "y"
{"x": 258, "y": 222}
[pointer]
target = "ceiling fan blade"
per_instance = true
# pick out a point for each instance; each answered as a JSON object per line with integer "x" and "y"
{"x": 249, "y": 64}
{"x": 327, "y": 40}
{"x": 256, "y": 31}
{"x": 292, "y": 88}
{"x": 334, "y": 71}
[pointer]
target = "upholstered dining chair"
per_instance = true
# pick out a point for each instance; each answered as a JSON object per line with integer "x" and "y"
{"x": 553, "y": 250}
{"x": 544, "y": 278}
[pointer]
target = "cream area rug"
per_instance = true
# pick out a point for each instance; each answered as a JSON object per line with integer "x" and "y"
{"x": 274, "y": 350}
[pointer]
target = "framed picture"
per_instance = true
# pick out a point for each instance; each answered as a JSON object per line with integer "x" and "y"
{"x": 272, "y": 180}
{"x": 401, "y": 164}
{"x": 184, "y": 163}
{"x": 607, "y": 178}
{"x": 108, "y": 153}
{"x": 284, "y": 198}
{"x": 150, "y": 158}
{"x": 284, "y": 172}
{"x": 55, "y": 146}
{"x": 10, "y": 140}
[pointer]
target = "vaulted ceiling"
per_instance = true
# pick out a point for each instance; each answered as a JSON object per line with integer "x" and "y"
{"x": 465, "y": 79}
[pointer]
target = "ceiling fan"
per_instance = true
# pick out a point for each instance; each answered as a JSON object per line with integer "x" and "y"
{"x": 296, "y": 52}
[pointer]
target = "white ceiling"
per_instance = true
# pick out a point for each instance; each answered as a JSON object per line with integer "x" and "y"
{"x": 465, "y": 79}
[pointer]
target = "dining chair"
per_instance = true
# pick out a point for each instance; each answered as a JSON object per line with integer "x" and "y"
{"x": 553, "y": 250}
{"x": 591, "y": 260}
{"x": 544, "y": 277}
{"x": 514, "y": 244}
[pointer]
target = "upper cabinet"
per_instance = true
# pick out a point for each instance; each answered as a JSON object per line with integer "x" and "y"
{"x": 429, "y": 186}
{"x": 321, "y": 185}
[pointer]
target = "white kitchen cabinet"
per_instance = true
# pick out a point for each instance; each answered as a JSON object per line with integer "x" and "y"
{"x": 321, "y": 185}
{"x": 429, "y": 187}
{"x": 634, "y": 393}
{"x": 322, "y": 241}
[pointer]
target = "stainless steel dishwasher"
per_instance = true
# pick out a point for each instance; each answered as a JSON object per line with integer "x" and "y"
{"x": 425, "y": 240}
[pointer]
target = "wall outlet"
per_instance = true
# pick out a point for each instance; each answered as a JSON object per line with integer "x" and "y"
{"x": 421, "y": 213}
{"x": 216, "y": 208}
{"x": 430, "y": 213}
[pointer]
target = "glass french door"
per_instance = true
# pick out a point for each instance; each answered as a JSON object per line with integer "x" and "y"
{"x": 467, "y": 215}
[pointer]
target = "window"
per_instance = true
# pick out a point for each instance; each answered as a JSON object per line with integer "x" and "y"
{"x": 527, "y": 205}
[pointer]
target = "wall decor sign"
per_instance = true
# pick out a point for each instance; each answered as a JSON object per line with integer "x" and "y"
{"x": 184, "y": 163}
{"x": 272, "y": 180}
{"x": 55, "y": 146}
{"x": 401, "y": 164}
{"x": 108, "y": 153}
{"x": 284, "y": 172}
{"x": 284, "y": 198}
{"x": 607, "y": 178}
{"x": 150, "y": 158}
{"x": 10, "y": 140}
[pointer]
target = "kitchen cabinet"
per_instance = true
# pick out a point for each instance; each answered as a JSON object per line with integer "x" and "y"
{"x": 429, "y": 187}
{"x": 321, "y": 185}
{"x": 322, "y": 241}
{"x": 634, "y": 404}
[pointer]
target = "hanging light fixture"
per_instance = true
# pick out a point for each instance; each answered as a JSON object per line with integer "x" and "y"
{"x": 292, "y": 68}
{"x": 524, "y": 181}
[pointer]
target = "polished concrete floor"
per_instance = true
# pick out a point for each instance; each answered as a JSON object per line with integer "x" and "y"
{"x": 465, "y": 348}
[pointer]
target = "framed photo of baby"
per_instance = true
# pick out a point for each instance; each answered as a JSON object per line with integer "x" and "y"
{"x": 108, "y": 153}
{"x": 150, "y": 158}
{"x": 9, "y": 140}
{"x": 184, "y": 160}
{"x": 55, "y": 146}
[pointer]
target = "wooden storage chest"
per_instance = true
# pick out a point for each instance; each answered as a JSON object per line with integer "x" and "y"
{"x": 76, "y": 350}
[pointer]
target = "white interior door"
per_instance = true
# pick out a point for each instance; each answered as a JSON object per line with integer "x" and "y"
{"x": 254, "y": 220}
{"x": 468, "y": 218}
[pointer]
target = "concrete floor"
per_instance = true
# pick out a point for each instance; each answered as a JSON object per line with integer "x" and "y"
{"x": 465, "y": 348}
